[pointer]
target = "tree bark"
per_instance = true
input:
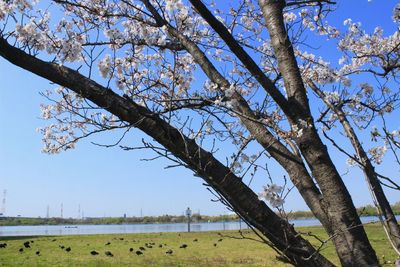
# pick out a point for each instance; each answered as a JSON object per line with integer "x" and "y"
{"x": 280, "y": 233}
{"x": 350, "y": 239}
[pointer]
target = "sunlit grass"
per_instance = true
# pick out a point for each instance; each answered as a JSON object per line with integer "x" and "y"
{"x": 210, "y": 249}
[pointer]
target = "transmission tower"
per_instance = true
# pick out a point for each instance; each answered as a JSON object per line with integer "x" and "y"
{"x": 3, "y": 203}
{"x": 48, "y": 212}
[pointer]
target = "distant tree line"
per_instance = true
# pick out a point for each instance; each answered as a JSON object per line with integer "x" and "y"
{"x": 195, "y": 218}
{"x": 367, "y": 210}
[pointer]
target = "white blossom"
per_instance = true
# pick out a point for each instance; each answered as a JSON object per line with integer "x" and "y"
{"x": 367, "y": 89}
{"x": 396, "y": 13}
{"x": 271, "y": 193}
{"x": 351, "y": 162}
{"x": 377, "y": 154}
{"x": 289, "y": 16}
{"x": 105, "y": 66}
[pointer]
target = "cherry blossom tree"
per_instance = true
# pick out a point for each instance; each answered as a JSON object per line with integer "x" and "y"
{"x": 195, "y": 77}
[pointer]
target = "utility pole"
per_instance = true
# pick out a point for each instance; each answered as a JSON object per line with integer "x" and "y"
{"x": 62, "y": 210}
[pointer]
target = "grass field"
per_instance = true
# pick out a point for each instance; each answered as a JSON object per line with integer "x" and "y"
{"x": 203, "y": 249}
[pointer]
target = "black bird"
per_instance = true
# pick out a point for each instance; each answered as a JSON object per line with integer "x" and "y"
{"x": 26, "y": 244}
{"x": 160, "y": 246}
{"x": 109, "y": 254}
{"x": 215, "y": 244}
{"x": 183, "y": 246}
{"x": 138, "y": 252}
{"x": 219, "y": 240}
{"x": 131, "y": 249}
{"x": 62, "y": 247}
{"x": 38, "y": 253}
{"x": 94, "y": 252}
{"x": 68, "y": 249}
{"x": 142, "y": 248}
{"x": 54, "y": 240}
{"x": 21, "y": 250}
{"x": 169, "y": 251}
{"x": 32, "y": 241}
{"x": 108, "y": 243}
{"x": 121, "y": 238}
{"x": 195, "y": 240}
{"x": 4, "y": 245}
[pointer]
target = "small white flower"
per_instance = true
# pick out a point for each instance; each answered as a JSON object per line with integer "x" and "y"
{"x": 105, "y": 66}
{"x": 351, "y": 162}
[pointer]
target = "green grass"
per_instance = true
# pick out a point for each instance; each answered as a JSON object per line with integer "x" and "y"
{"x": 230, "y": 251}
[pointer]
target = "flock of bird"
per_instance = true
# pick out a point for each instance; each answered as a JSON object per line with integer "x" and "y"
{"x": 140, "y": 251}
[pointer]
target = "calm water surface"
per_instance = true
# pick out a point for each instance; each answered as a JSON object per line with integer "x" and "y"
{"x": 140, "y": 228}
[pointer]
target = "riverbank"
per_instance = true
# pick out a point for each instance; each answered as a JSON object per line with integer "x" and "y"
{"x": 224, "y": 248}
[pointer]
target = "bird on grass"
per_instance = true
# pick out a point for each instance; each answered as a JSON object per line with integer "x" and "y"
{"x": 183, "y": 246}
{"x": 142, "y": 248}
{"x": 131, "y": 249}
{"x": 220, "y": 240}
{"x": 21, "y": 250}
{"x": 94, "y": 252}
{"x": 26, "y": 244}
{"x": 4, "y": 245}
{"x": 109, "y": 254}
{"x": 138, "y": 252}
{"x": 160, "y": 246}
{"x": 68, "y": 249}
{"x": 38, "y": 253}
{"x": 62, "y": 247}
{"x": 195, "y": 240}
{"x": 215, "y": 244}
{"x": 169, "y": 251}
{"x": 108, "y": 243}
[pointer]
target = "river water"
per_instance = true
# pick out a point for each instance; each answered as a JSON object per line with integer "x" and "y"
{"x": 142, "y": 228}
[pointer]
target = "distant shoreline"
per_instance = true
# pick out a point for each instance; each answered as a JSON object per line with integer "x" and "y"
{"x": 195, "y": 218}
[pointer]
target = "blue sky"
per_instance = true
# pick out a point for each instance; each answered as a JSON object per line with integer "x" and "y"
{"x": 109, "y": 181}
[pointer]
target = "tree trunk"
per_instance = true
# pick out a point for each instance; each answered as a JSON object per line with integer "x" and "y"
{"x": 349, "y": 237}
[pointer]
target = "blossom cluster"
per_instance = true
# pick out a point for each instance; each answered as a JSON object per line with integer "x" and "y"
{"x": 377, "y": 154}
{"x": 272, "y": 194}
{"x": 9, "y": 6}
